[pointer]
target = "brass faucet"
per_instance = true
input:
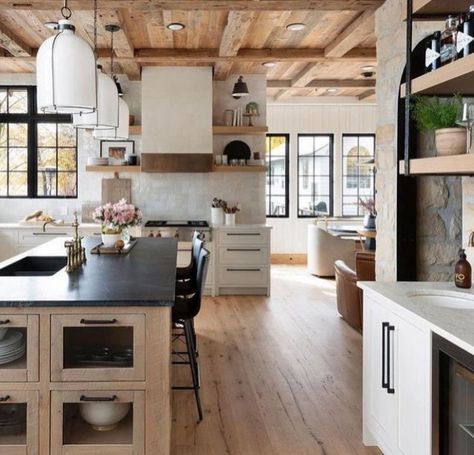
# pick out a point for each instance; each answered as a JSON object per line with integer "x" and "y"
{"x": 76, "y": 253}
{"x": 471, "y": 239}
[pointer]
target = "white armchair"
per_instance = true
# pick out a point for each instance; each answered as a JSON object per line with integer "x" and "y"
{"x": 324, "y": 249}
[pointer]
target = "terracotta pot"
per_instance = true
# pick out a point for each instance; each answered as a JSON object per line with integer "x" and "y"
{"x": 451, "y": 141}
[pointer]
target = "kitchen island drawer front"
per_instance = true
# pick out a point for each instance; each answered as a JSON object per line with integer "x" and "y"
{"x": 19, "y": 348}
{"x": 23, "y": 407}
{"x": 243, "y": 237}
{"x": 243, "y": 255}
{"x": 98, "y": 347}
{"x": 242, "y": 276}
{"x": 79, "y": 425}
{"x": 37, "y": 237}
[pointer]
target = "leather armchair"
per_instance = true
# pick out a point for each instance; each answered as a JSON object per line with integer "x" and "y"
{"x": 324, "y": 249}
{"x": 349, "y": 296}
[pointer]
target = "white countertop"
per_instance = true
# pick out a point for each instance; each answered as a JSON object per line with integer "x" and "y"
{"x": 456, "y": 325}
{"x": 241, "y": 226}
{"x": 49, "y": 226}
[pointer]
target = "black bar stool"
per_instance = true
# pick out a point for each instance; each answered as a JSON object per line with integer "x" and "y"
{"x": 185, "y": 309}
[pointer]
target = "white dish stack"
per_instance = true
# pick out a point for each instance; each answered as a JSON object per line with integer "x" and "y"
{"x": 12, "y": 346}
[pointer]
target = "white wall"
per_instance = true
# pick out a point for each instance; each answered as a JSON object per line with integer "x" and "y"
{"x": 289, "y": 234}
{"x": 177, "y": 109}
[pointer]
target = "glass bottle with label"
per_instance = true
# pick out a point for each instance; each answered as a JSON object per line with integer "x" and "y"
{"x": 465, "y": 36}
{"x": 448, "y": 42}
{"x": 432, "y": 55}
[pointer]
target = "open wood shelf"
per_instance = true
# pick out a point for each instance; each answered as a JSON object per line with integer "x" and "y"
{"x": 439, "y": 8}
{"x": 135, "y": 130}
{"x": 113, "y": 168}
{"x": 243, "y": 130}
{"x": 441, "y": 165}
{"x": 239, "y": 169}
{"x": 454, "y": 78}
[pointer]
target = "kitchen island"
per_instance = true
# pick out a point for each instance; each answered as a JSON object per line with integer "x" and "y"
{"x": 100, "y": 335}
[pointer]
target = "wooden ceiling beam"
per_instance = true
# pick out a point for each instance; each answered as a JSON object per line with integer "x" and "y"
{"x": 323, "y": 83}
{"x": 361, "y": 28}
{"x": 193, "y": 5}
{"x": 13, "y": 43}
{"x": 367, "y": 94}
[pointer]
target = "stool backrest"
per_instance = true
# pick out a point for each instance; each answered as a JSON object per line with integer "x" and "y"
{"x": 197, "y": 245}
{"x": 201, "y": 274}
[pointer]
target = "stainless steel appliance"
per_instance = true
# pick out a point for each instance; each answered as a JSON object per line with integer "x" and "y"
{"x": 182, "y": 229}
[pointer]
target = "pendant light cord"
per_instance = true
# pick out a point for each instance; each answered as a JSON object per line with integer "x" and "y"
{"x": 66, "y": 11}
{"x": 112, "y": 54}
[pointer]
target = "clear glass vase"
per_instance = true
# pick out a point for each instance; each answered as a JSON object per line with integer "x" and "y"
{"x": 126, "y": 235}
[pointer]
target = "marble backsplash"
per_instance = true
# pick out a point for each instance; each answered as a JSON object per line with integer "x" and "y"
{"x": 166, "y": 196}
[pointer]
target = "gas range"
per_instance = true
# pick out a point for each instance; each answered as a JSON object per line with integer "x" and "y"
{"x": 181, "y": 229}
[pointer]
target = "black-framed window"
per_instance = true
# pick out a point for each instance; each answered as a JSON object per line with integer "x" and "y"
{"x": 38, "y": 152}
{"x": 277, "y": 185}
{"x": 358, "y": 179}
{"x": 315, "y": 175}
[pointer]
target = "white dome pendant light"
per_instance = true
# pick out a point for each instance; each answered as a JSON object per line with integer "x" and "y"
{"x": 122, "y": 131}
{"x": 66, "y": 71}
{"x": 106, "y": 114}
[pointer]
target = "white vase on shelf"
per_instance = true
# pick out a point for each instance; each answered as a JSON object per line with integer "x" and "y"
{"x": 217, "y": 215}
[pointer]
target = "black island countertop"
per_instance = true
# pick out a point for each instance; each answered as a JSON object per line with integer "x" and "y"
{"x": 143, "y": 277}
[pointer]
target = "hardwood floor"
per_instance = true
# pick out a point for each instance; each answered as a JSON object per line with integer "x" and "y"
{"x": 280, "y": 375}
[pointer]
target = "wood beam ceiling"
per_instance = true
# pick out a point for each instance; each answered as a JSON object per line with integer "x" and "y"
{"x": 194, "y": 5}
{"x": 354, "y": 34}
{"x": 13, "y": 44}
{"x": 323, "y": 83}
{"x": 238, "y": 24}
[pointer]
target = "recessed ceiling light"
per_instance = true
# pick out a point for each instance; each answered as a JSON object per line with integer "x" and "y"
{"x": 268, "y": 64}
{"x": 368, "y": 68}
{"x": 175, "y": 26}
{"x": 51, "y": 25}
{"x": 296, "y": 26}
{"x": 332, "y": 90}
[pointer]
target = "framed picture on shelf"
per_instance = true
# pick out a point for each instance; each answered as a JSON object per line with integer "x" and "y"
{"x": 116, "y": 151}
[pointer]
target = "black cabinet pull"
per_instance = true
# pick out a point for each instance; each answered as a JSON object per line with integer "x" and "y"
{"x": 98, "y": 321}
{"x": 243, "y": 233}
{"x": 243, "y": 270}
{"x": 4, "y": 398}
{"x": 4, "y": 321}
{"x": 384, "y": 356}
{"x": 46, "y": 234}
{"x": 85, "y": 398}
{"x": 390, "y": 360}
{"x": 243, "y": 249}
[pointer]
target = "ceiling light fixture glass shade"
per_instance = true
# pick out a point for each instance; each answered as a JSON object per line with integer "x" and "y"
{"x": 296, "y": 26}
{"x": 240, "y": 88}
{"x": 122, "y": 132}
{"x": 66, "y": 74}
{"x": 107, "y": 112}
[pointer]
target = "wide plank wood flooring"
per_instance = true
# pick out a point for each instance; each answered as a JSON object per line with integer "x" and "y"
{"x": 280, "y": 375}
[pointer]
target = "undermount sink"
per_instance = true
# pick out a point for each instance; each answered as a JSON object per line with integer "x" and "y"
{"x": 35, "y": 266}
{"x": 446, "y": 299}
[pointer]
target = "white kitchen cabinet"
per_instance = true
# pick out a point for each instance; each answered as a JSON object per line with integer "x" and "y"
{"x": 397, "y": 382}
{"x": 242, "y": 259}
{"x": 8, "y": 243}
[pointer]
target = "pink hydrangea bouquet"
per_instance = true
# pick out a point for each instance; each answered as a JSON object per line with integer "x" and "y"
{"x": 115, "y": 217}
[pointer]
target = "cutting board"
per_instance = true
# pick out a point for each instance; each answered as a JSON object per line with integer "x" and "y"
{"x": 115, "y": 189}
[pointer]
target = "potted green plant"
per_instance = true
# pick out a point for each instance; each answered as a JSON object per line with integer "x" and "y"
{"x": 441, "y": 116}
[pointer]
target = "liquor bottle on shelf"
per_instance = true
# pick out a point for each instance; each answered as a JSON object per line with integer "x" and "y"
{"x": 448, "y": 41}
{"x": 465, "y": 35}
{"x": 432, "y": 54}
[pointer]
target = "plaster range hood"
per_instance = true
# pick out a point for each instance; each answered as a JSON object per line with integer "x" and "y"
{"x": 177, "y": 119}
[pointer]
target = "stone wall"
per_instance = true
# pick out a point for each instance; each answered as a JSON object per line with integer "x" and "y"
{"x": 391, "y": 31}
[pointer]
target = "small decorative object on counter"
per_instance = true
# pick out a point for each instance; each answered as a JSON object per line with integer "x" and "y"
{"x": 432, "y": 114}
{"x": 116, "y": 219}
{"x": 371, "y": 212}
{"x": 432, "y": 55}
{"x": 463, "y": 272}
{"x": 448, "y": 41}
{"x": 217, "y": 211}
{"x": 230, "y": 211}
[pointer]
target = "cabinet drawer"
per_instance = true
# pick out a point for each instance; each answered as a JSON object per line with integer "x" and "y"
{"x": 24, "y": 406}
{"x": 38, "y": 237}
{"x": 242, "y": 276}
{"x": 21, "y": 365}
{"x": 244, "y": 237}
{"x": 243, "y": 255}
{"x": 76, "y": 427}
{"x": 98, "y": 347}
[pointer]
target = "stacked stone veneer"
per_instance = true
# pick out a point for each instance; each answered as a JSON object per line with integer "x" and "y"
{"x": 436, "y": 198}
